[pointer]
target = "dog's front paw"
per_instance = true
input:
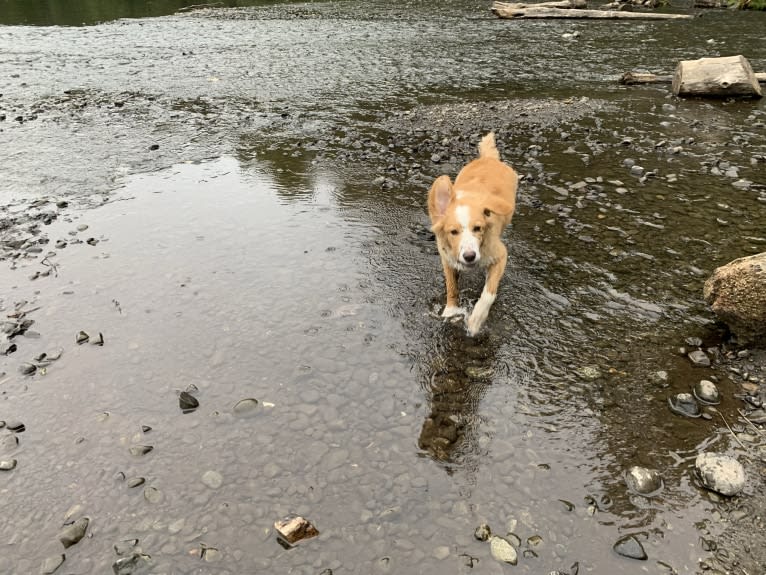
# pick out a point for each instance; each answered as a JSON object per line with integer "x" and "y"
{"x": 453, "y": 311}
{"x": 473, "y": 324}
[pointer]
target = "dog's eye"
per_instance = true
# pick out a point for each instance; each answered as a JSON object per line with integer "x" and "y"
{"x": 477, "y": 229}
{"x": 454, "y": 232}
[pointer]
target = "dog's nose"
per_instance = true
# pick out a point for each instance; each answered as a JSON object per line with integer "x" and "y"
{"x": 469, "y": 256}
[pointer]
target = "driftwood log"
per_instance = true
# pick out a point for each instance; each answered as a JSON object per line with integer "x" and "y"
{"x": 533, "y": 11}
{"x": 633, "y": 78}
{"x": 563, "y": 4}
{"x": 726, "y": 77}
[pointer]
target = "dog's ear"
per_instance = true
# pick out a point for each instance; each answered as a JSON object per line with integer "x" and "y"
{"x": 439, "y": 197}
{"x": 493, "y": 205}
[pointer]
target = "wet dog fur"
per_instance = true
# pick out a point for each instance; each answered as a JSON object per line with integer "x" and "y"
{"x": 468, "y": 218}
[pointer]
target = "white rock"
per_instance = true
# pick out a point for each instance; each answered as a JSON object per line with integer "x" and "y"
{"x": 720, "y": 473}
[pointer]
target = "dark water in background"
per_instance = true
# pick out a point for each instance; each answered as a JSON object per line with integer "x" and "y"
{"x": 284, "y": 273}
{"x": 84, "y": 13}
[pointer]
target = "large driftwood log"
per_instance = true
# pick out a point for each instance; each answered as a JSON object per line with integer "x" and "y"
{"x": 532, "y": 12}
{"x": 564, "y": 4}
{"x": 730, "y": 76}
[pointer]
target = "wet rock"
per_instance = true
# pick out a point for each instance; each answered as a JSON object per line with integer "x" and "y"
{"x": 27, "y": 368}
{"x": 139, "y": 450}
{"x": 187, "y": 402}
{"x": 82, "y": 338}
{"x": 73, "y": 533}
{"x": 15, "y": 426}
{"x": 153, "y": 495}
{"x": 52, "y": 563}
{"x": 246, "y": 407}
{"x": 736, "y": 292}
{"x": 699, "y": 358}
{"x": 589, "y": 372}
{"x": 294, "y": 528}
{"x": 502, "y": 550}
{"x": 8, "y": 464}
{"x": 706, "y": 392}
{"x": 134, "y": 482}
{"x": 126, "y": 547}
{"x": 134, "y": 564}
{"x": 643, "y": 481}
{"x": 630, "y": 547}
{"x": 720, "y": 473}
{"x": 99, "y": 340}
{"x": 482, "y": 532}
{"x": 684, "y": 404}
{"x": 212, "y": 479}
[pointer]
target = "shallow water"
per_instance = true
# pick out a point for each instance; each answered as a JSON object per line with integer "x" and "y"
{"x": 277, "y": 268}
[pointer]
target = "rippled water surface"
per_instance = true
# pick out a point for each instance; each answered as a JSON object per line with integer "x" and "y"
{"x": 241, "y": 215}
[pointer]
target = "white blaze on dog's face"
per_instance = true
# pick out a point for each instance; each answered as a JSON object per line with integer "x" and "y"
{"x": 464, "y": 226}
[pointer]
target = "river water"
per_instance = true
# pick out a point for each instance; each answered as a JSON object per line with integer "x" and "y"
{"x": 234, "y": 198}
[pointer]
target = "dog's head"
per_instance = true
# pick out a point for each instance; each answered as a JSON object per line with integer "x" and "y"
{"x": 461, "y": 221}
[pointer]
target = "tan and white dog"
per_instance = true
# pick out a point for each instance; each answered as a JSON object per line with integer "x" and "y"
{"x": 468, "y": 218}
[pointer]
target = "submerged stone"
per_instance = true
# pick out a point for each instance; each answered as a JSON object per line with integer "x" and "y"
{"x": 502, "y": 550}
{"x": 482, "y": 532}
{"x": 294, "y": 528}
{"x": 212, "y": 479}
{"x": 245, "y": 407}
{"x": 699, "y": 358}
{"x": 684, "y": 404}
{"x": 642, "y": 480}
{"x": 135, "y": 564}
{"x": 720, "y": 473}
{"x": 74, "y": 532}
{"x": 52, "y": 563}
{"x": 630, "y": 547}
{"x": 187, "y": 401}
{"x": 707, "y": 392}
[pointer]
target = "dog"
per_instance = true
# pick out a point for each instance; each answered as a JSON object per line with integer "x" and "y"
{"x": 468, "y": 219}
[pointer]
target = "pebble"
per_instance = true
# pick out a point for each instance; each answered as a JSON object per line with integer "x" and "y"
{"x": 482, "y": 532}
{"x": 720, "y": 473}
{"x": 707, "y": 392}
{"x": 643, "y": 481}
{"x": 245, "y": 407}
{"x": 8, "y": 464}
{"x": 630, "y": 547}
{"x": 295, "y": 528}
{"x": 52, "y": 563}
{"x": 187, "y": 402}
{"x": 73, "y": 533}
{"x": 27, "y": 368}
{"x": 136, "y": 482}
{"x": 212, "y": 479}
{"x": 15, "y": 426}
{"x": 502, "y": 550}
{"x": 153, "y": 495}
{"x": 699, "y": 358}
{"x": 135, "y": 563}
{"x": 139, "y": 450}
{"x": 684, "y": 404}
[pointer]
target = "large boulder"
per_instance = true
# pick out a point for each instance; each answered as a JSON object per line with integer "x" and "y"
{"x": 737, "y": 294}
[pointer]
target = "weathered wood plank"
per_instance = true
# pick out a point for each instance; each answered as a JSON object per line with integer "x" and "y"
{"x": 563, "y": 4}
{"x": 538, "y": 13}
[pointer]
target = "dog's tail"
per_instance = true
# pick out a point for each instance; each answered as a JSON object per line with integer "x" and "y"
{"x": 487, "y": 148}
